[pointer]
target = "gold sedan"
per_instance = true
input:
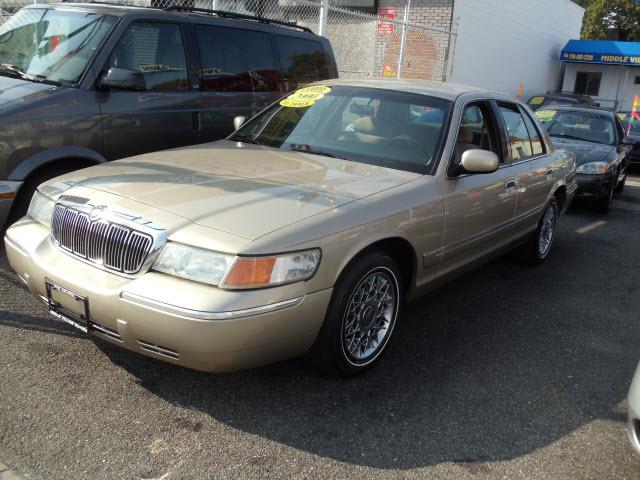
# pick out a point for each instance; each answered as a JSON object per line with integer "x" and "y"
{"x": 304, "y": 232}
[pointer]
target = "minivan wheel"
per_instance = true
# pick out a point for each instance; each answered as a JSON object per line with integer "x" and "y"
{"x": 538, "y": 246}
{"x": 28, "y": 188}
{"x": 361, "y": 316}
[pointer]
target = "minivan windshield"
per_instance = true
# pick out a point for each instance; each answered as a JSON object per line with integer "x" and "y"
{"x": 399, "y": 130}
{"x": 51, "y": 45}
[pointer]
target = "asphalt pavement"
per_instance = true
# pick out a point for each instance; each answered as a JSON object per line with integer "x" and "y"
{"x": 509, "y": 372}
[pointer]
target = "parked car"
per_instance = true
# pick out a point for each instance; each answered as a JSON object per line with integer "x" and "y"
{"x": 304, "y": 231}
{"x": 553, "y": 99}
{"x": 81, "y": 84}
{"x": 631, "y": 126}
{"x": 634, "y": 411}
{"x": 601, "y": 147}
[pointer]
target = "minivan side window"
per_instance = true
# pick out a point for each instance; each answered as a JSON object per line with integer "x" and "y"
{"x": 157, "y": 51}
{"x": 302, "y": 61}
{"x": 519, "y": 140}
{"x": 236, "y": 60}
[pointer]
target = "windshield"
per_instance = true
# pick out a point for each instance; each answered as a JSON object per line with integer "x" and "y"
{"x": 583, "y": 126}
{"x": 380, "y": 127}
{"x": 47, "y": 44}
{"x": 630, "y": 122}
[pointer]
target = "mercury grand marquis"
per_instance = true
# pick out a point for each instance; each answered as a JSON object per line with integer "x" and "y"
{"x": 304, "y": 232}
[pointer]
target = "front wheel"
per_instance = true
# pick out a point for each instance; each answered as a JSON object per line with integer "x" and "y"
{"x": 361, "y": 316}
{"x": 603, "y": 204}
{"x": 538, "y": 246}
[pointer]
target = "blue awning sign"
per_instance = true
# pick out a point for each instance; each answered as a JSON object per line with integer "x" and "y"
{"x": 602, "y": 51}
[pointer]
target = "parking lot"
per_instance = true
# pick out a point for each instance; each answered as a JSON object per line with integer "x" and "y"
{"x": 509, "y": 372}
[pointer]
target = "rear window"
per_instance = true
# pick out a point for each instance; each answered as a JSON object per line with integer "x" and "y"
{"x": 302, "y": 61}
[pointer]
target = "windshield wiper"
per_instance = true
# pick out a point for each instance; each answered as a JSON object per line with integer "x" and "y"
{"x": 17, "y": 72}
{"x": 302, "y": 148}
{"x": 13, "y": 71}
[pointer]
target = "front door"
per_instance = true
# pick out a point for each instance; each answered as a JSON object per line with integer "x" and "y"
{"x": 479, "y": 208}
{"x": 164, "y": 114}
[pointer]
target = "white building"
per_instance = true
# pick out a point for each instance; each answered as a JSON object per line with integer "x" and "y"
{"x": 513, "y": 46}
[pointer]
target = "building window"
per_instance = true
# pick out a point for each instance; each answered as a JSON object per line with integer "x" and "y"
{"x": 637, "y": 82}
{"x": 588, "y": 83}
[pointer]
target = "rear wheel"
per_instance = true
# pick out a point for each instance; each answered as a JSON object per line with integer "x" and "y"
{"x": 538, "y": 247}
{"x": 361, "y": 316}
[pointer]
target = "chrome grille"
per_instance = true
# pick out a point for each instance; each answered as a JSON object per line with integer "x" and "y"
{"x": 110, "y": 245}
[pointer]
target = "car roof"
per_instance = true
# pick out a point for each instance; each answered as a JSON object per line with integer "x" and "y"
{"x": 448, "y": 91}
{"x": 579, "y": 108}
{"x": 119, "y": 10}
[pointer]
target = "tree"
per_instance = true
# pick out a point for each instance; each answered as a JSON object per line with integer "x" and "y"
{"x": 611, "y": 20}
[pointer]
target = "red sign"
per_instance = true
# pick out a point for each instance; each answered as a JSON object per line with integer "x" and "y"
{"x": 386, "y": 13}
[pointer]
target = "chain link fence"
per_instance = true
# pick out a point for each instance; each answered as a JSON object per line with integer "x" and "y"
{"x": 365, "y": 45}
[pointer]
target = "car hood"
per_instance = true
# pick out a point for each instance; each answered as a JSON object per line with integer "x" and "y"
{"x": 245, "y": 190}
{"x": 585, "y": 152}
{"x": 14, "y": 91}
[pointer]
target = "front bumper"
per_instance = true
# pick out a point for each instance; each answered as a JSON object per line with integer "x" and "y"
{"x": 8, "y": 191}
{"x": 593, "y": 186}
{"x": 175, "y": 320}
{"x": 634, "y": 411}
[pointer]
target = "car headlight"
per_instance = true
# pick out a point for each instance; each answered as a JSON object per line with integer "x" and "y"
{"x": 593, "y": 168}
{"x": 41, "y": 208}
{"x": 229, "y": 271}
{"x": 193, "y": 263}
{"x": 256, "y": 272}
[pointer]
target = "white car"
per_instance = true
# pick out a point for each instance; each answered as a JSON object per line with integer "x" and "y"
{"x": 634, "y": 411}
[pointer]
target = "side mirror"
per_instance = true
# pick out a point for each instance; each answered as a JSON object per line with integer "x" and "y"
{"x": 479, "y": 161}
{"x": 122, "y": 79}
{"x": 632, "y": 141}
{"x": 238, "y": 122}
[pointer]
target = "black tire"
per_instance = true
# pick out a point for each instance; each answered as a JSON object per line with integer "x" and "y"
{"x": 28, "y": 188}
{"x": 330, "y": 352}
{"x": 603, "y": 204}
{"x": 532, "y": 252}
{"x": 620, "y": 186}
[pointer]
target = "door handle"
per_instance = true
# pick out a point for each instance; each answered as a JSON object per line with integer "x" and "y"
{"x": 511, "y": 184}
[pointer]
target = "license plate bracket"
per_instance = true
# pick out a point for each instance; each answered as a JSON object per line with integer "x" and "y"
{"x": 68, "y": 306}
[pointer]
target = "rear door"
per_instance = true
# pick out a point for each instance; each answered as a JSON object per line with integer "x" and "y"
{"x": 479, "y": 208}
{"x": 164, "y": 114}
{"x": 530, "y": 164}
{"x": 238, "y": 76}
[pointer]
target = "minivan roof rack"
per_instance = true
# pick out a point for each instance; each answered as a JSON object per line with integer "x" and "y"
{"x": 239, "y": 16}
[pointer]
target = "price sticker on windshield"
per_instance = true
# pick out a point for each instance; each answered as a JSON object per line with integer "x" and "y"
{"x": 546, "y": 115}
{"x": 305, "y": 97}
{"x": 537, "y": 101}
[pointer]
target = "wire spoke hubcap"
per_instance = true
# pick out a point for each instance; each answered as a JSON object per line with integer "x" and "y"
{"x": 369, "y": 316}
{"x": 547, "y": 231}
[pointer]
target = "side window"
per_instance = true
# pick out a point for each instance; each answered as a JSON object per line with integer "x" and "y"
{"x": 519, "y": 140}
{"x": 475, "y": 132}
{"x": 302, "y": 61}
{"x": 157, "y": 51}
{"x": 235, "y": 60}
{"x": 537, "y": 147}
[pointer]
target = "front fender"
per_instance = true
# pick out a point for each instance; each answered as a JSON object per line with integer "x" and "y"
{"x": 37, "y": 160}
